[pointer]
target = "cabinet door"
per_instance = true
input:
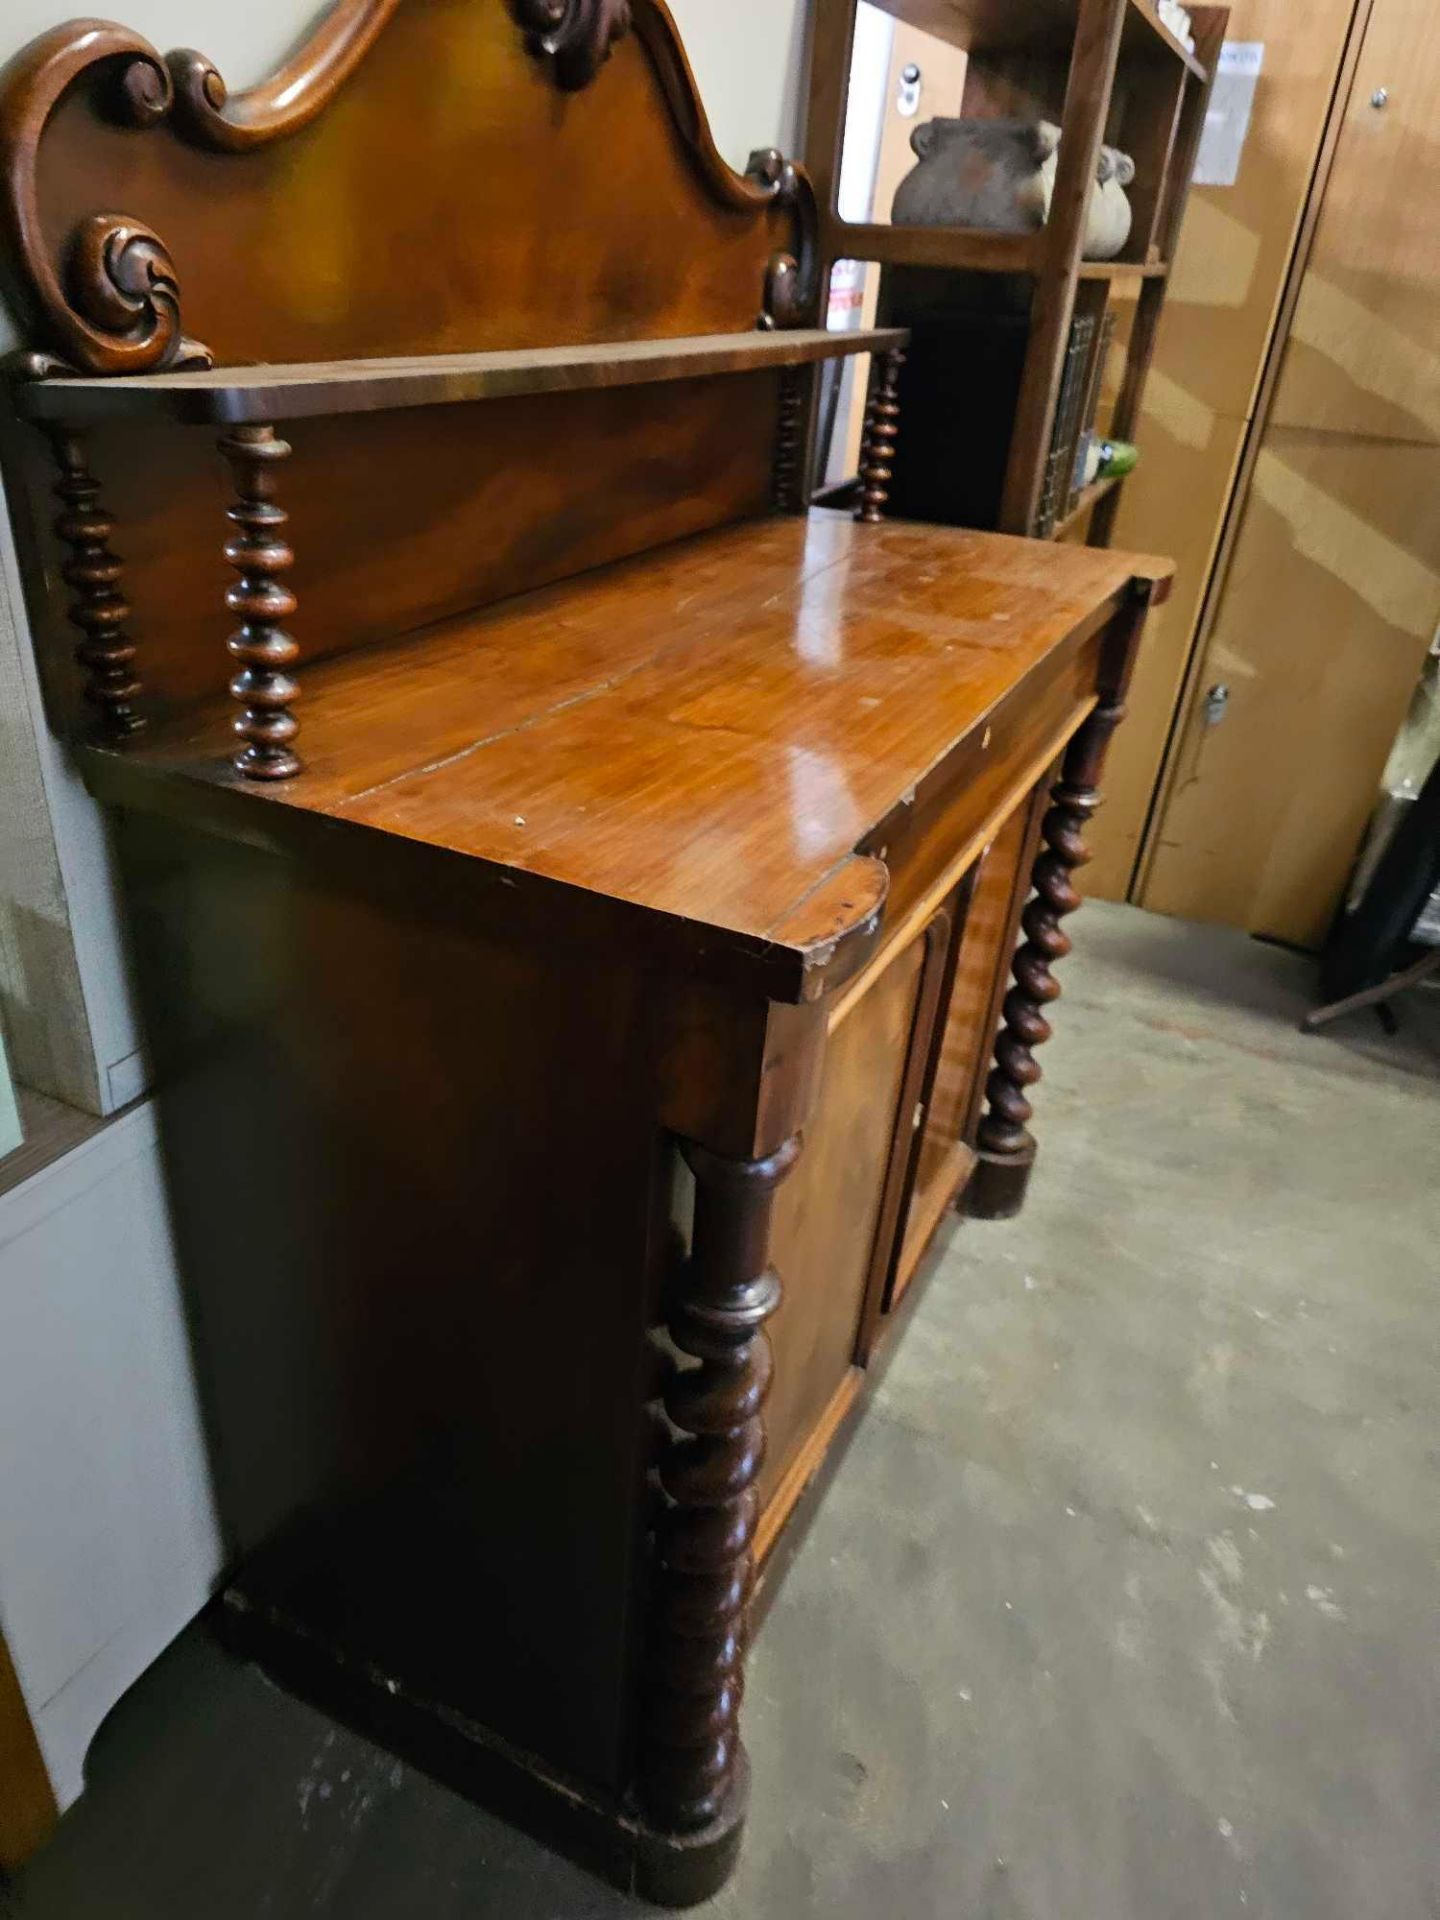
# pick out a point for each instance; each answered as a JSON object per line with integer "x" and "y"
{"x": 828, "y": 1211}
{"x": 952, "y": 1096}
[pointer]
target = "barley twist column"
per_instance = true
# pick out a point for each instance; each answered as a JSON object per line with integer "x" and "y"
{"x": 882, "y": 430}
{"x": 105, "y": 653}
{"x": 693, "y": 1770}
{"x": 263, "y": 603}
{"x": 788, "y": 451}
{"x": 1007, "y": 1147}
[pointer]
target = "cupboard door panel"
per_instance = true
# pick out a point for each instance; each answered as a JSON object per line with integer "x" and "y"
{"x": 823, "y": 1237}
{"x": 981, "y": 970}
{"x": 1364, "y": 352}
{"x": 1329, "y": 608}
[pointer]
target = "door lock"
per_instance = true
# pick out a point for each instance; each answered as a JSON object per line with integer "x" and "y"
{"x": 1217, "y": 702}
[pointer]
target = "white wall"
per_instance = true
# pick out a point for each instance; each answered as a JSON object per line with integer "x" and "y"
{"x": 108, "y": 1538}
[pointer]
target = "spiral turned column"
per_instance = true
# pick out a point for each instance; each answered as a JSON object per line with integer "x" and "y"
{"x": 789, "y": 459}
{"x": 263, "y": 603}
{"x": 105, "y": 653}
{"x": 1006, "y": 1145}
{"x": 882, "y": 430}
{"x": 692, "y": 1766}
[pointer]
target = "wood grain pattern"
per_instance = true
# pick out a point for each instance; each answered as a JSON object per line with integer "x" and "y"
{"x": 827, "y": 1213}
{"x": 792, "y": 681}
{"x": 967, "y": 1035}
{"x": 218, "y": 396}
{"x": 460, "y": 519}
{"x": 664, "y": 239}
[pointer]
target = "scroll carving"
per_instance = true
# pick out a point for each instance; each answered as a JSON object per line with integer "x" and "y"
{"x": 117, "y": 309}
{"x": 290, "y": 99}
{"x": 792, "y": 282}
{"x": 575, "y": 35}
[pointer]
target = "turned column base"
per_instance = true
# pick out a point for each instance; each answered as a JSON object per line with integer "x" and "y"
{"x": 996, "y": 1189}
{"x": 682, "y": 1869}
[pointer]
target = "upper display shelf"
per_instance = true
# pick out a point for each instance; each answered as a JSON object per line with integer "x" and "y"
{"x": 1014, "y": 26}
{"x": 230, "y": 396}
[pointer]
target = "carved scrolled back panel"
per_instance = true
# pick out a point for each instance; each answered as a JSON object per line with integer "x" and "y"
{"x": 420, "y": 178}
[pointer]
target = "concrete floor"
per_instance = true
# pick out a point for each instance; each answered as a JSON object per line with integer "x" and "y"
{"x": 1126, "y": 1605}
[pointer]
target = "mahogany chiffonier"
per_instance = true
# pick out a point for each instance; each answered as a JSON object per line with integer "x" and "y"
{"x": 572, "y": 890}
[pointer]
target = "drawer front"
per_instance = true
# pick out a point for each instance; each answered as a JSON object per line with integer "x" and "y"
{"x": 985, "y": 776}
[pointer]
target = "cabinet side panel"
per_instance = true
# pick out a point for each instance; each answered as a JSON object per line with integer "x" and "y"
{"x": 412, "y": 1174}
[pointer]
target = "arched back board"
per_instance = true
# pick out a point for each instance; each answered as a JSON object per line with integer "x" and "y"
{"x": 423, "y": 176}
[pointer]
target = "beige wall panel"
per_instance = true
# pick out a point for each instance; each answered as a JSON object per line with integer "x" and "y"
{"x": 1236, "y": 241}
{"x": 1224, "y": 292}
{"x": 1190, "y": 461}
{"x": 1364, "y": 354}
{"x": 1331, "y": 602}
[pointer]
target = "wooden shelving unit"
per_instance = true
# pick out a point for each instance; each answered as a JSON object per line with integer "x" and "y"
{"x": 1108, "y": 71}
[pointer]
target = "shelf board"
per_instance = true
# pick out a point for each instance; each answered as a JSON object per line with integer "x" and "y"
{"x": 1090, "y": 496}
{"x": 231, "y": 396}
{"x": 1028, "y": 26}
{"x": 972, "y": 247}
{"x": 1122, "y": 270}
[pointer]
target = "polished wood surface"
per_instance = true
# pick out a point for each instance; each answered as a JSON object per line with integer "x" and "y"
{"x": 969, "y": 1026}
{"x": 447, "y": 148}
{"x": 306, "y": 390}
{"x": 478, "y": 502}
{"x": 706, "y": 733}
{"x": 826, "y": 1218}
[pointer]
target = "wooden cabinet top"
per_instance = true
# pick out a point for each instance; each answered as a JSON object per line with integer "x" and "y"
{"x": 706, "y": 733}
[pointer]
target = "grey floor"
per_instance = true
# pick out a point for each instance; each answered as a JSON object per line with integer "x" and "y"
{"x": 1126, "y": 1606}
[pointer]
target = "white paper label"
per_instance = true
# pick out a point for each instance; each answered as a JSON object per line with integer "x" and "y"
{"x": 1227, "y": 118}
